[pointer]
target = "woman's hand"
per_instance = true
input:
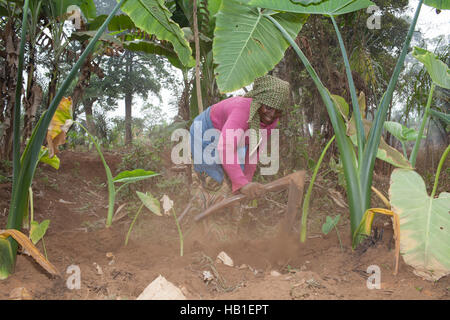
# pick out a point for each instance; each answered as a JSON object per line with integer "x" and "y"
{"x": 252, "y": 190}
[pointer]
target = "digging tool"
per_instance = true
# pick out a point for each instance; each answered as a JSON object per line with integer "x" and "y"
{"x": 294, "y": 182}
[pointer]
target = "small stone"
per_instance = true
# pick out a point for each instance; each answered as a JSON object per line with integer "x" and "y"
{"x": 225, "y": 259}
{"x": 161, "y": 289}
{"x": 20, "y": 293}
{"x": 98, "y": 268}
{"x": 207, "y": 276}
{"x": 275, "y": 273}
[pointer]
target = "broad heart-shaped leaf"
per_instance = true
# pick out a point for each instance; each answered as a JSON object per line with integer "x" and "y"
{"x": 59, "y": 125}
{"x": 401, "y": 132}
{"x": 38, "y": 230}
{"x": 247, "y": 45}
{"x": 135, "y": 175}
{"x": 330, "y": 223}
{"x": 151, "y": 203}
{"x": 438, "y": 4}
{"x": 438, "y": 70}
{"x": 44, "y": 158}
{"x": 424, "y": 224}
{"x": 307, "y": 2}
{"x": 154, "y": 18}
{"x": 327, "y": 7}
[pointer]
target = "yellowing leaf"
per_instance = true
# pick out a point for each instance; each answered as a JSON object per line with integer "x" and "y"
{"x": 60, "y": 124}
{"x": 32, "y": 250}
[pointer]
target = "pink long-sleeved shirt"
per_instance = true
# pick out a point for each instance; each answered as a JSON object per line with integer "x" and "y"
{"x": 233, "y": 113}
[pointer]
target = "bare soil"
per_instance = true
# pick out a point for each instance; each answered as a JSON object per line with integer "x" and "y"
{"x": 75, "y": 199}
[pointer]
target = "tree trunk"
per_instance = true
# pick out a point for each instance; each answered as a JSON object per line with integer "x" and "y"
{"x": 89, "y": 116}
{"x": 8, "y": 89}
{"x": 197, "y": 61}
{"x": 128, "y": 101}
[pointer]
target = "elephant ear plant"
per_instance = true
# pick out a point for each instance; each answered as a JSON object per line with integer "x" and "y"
{"x": 287, "y": 17}
{"x": 23, "y": 171}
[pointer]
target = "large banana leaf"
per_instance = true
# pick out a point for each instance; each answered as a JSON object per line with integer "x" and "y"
{"x": 154, "y": 18}
{"x": 424, "y": 224}
{"x": 247, "y": 45}
{"x": 327, "y": 7}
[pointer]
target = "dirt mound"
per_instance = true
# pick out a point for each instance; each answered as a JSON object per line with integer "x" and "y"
{"x": 266, "y": 265}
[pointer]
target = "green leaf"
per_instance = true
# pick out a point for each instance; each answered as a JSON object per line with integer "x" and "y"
{"x": 247, "y": 45}
{"x": 151, "y": 203}
{"x": 438, "y": 70}
{"x": 154, "y": 48}
{"x": 44, "y": 158}
{"x": 424, "y": 224}
{"x": 7, "y": 260}
{"x": 443, "y": 116}
{"x": 135, "y": 175}
{"x": 38, "y": 230}
{"x": 330, "y": 223}
{"x": 307, "y": 2}
{"x": 327, "y": 7}
{"x": 154, "y": 18}
{"x": 385, "y": 152}
{"x": 341, "y": 105}
{"x": 401, "y": 132}
{"x": 438, "y": 4}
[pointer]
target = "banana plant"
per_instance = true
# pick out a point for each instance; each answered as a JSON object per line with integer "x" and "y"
{"x": 243, "y": 53}
{"x": 23, "y": 171}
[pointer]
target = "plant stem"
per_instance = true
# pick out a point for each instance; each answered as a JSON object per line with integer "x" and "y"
{"x": 17, "y": 104}
{"x": 111, "y": 187}
{"x": 438, "y": 171}
{"x": 45, "y": 250}
{"x": 373, "y": 140}
{"x": 345, "y": 146}
{"x": 359, "y": 123}
{"x": 305, "y": 208}
{"x": 404, "y": 149}
{"x": 339, "y": 238}
{"x": 132, "y": 223}
{"x": 422, "y": 127}
{"x": 179, "y": 232}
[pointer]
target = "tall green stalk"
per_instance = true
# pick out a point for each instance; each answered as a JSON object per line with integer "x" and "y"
{"x": 358, "y": 177}
{"x": 305, "y": 208}
{"x": 373, "y": 141}
{"x": 24, "y": 175}
{"x": 361, "y": 139}
{"x": 345, "y": 146}
{"x": 426, "y": 114}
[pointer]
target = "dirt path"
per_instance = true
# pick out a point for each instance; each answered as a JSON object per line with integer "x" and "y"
{"x": 266, "y": 267}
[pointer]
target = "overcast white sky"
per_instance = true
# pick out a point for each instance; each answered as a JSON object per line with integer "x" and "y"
{"x": 430, "y": 24}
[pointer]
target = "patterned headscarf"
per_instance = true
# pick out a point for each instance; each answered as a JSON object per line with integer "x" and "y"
{"x": 268, "y": 90}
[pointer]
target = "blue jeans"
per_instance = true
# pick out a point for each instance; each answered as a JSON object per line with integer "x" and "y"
{"x": 215, "y": 170}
